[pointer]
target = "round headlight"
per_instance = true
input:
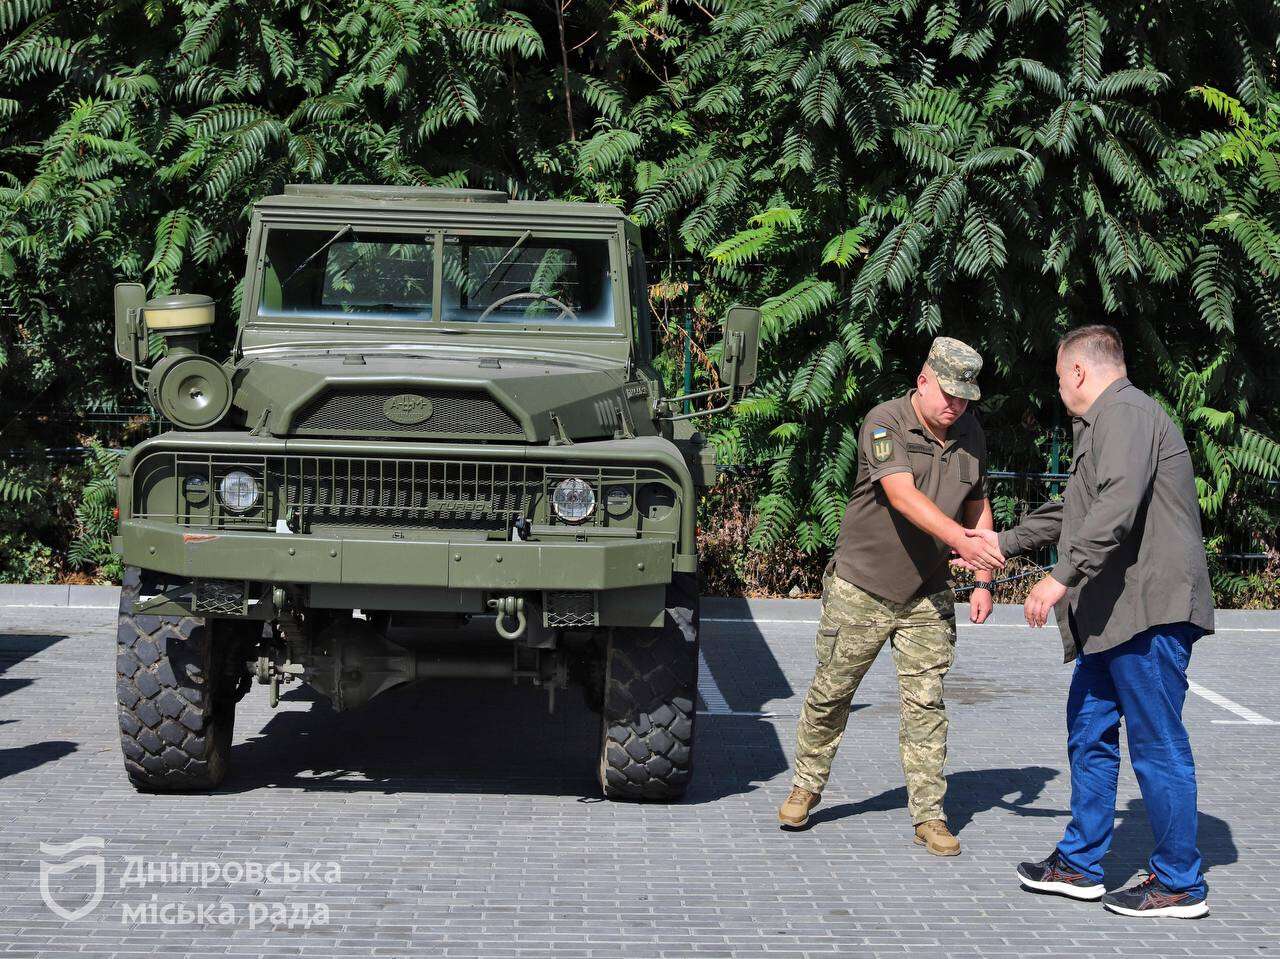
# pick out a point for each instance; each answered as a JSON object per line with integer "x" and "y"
{"x": 196, "y": 488}
{"x": 238, "y": 491}
{"x": 617, "y": 500}
{"x": 573, "y": 500}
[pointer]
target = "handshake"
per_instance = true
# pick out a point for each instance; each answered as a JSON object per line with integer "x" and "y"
{"x": 979, "y": 552}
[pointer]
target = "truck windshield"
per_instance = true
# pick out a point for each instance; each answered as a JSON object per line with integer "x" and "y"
{"x": 526, "y": 280}
{"x": 513, "y": 280}
{"x": 348, "y": 273}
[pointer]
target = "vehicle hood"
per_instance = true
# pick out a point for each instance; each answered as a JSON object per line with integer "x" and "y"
{"x": 442, "y": 394}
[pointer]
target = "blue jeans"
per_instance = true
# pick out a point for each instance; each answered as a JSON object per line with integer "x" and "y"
{"x": 1144, "y": 682}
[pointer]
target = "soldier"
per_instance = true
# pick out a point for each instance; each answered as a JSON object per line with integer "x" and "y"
{"x": 921, "y": 471}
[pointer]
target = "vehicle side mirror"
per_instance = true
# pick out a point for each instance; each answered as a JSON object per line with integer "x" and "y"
{"x": 741, "y": 346}
{"x": 128, "y": 302}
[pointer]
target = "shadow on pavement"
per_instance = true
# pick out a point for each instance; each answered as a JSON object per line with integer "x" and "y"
{"x": 488, "y": 736}
{"x": 1132, "y": 842}
{"x": 739, "y": 752}
{"x": 969, "y": 793}
{"x": 21, "y": 758}
{"x": 434, "y": 736}
{"x": 14, "y": 648}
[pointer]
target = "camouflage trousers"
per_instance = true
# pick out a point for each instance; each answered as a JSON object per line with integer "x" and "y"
{"x": 854, "y": 626}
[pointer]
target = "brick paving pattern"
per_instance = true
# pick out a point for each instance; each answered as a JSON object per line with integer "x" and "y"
{"x": 465, "y": 820}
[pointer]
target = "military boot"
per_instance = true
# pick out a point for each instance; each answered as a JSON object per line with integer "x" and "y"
{"x": 794, "y": 813}
{"x": 936, "y": 837}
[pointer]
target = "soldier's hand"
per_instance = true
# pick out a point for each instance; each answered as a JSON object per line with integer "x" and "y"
{"x": 980, "y": 550}
{"x": 980, "y": 604}
{"x": 1043, "y": 597}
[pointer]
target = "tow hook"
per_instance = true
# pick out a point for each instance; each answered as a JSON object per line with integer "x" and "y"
{"x": 505, "y": 606}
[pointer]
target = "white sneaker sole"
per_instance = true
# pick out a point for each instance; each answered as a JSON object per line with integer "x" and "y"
{"x": 1194, "y": 911}
{"x": 1083, "y": 893}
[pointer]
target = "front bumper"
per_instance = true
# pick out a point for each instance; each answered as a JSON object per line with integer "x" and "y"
{"x": 351, "y": 560}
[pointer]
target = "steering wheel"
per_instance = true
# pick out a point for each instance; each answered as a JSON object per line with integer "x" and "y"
{"x": 528, "y": 295}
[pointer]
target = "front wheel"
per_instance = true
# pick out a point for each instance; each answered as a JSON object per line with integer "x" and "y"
{"x": 650, "y": 693}
{"x": 176, "y": 689}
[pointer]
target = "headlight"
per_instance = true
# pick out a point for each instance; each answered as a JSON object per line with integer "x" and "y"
{"x": 238, "y": 491}
{"x": 573, "y": 500}
{"x": 617, "y": 500}
{"x": 196, "y": 488}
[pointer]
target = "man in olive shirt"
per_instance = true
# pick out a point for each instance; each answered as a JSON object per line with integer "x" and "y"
{"x": 921, "y": 467}
{"x": 1132, "y": 593}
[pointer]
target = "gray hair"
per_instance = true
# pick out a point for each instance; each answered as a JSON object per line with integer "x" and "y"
{"x": 1097, "y": 344}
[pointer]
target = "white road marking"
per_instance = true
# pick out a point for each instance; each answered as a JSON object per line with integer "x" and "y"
{"x": 716, "y": 705}
{"x": 738, "y": 712}
{"x": 814, "y": 622}
{"x": 748, "y": 619}
{"x": 1247, "y": 715}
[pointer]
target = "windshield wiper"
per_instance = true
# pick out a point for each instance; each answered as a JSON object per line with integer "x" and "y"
{"x": 323, "y": 246}
{"x": 523, "y": 238}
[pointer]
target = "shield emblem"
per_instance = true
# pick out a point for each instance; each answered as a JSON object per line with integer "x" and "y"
{"x": 881, "y": 445}
{"x": 51, "y": 869}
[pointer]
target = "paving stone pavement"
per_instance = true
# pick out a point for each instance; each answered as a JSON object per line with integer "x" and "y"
{"x": 464, "y": 820}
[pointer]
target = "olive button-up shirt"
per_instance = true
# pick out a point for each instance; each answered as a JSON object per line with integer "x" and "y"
{"x": 1130, "y": 547}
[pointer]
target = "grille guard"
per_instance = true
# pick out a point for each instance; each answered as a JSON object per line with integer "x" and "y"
{"x": 303, "y": 491}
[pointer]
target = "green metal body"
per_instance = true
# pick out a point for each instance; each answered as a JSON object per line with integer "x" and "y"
{"x": 411, "y": 464}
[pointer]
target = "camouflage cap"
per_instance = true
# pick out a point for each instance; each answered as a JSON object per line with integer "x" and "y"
{"x": 956, "y": 365}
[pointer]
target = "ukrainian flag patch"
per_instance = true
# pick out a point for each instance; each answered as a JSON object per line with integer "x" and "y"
{"x": 881, "y": 444}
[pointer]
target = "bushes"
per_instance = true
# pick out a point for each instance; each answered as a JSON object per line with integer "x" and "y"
{"x": 872, "y": 171}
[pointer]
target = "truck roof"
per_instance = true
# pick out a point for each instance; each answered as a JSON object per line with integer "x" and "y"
{"x": 478, "y": 203}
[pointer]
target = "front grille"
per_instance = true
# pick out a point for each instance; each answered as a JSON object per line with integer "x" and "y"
{"x": 302, "y": 494}
{"x": 460, "y": 414}
{"x": 336, "y": 491}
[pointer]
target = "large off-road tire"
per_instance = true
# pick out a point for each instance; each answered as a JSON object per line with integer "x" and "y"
{"x": 650, "y": 696}
{"x": 176, "y": 690}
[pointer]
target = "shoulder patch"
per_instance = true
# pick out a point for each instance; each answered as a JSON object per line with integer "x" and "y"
{"x": 881, "y": 444}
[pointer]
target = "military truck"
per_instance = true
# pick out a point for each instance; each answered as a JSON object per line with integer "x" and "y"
{"x": 440, "y": 405}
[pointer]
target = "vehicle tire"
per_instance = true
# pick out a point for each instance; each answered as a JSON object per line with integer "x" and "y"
{"x": 650, "y": 696}
{"x": 176, "y": 691}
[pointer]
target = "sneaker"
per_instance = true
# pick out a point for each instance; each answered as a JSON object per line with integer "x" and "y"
{"x": 794, "y": 813}
{"x": 936, "y": 837}
{"x": 1151, "y": 897}
{"x": 1050, "y": 875}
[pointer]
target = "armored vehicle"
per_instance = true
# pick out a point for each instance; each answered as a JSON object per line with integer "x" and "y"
{"x": 439, "y": 405}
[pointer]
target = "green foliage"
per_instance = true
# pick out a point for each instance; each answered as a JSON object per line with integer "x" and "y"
{"x": 15, "y": 489}
{"x": 872, "y": 172}
{"x": 95, "y": 518}
{"x": 994, "y": 171}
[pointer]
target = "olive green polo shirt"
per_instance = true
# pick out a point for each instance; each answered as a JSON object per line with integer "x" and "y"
{"x": 880, "y": 550}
